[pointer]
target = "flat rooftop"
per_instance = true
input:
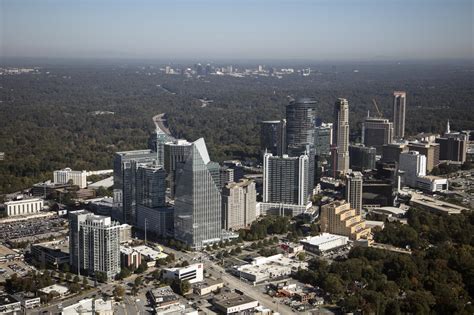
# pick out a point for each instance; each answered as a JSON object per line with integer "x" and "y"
{"x": 6, "y": 299}
{"x": 4, "y": 251}
{"x": 322, "y": 239}
{"x": 232, "y": 299}
{"x": 435, "y": 204}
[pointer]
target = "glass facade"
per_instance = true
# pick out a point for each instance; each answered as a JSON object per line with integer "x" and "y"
{"x": 198, "y": 199}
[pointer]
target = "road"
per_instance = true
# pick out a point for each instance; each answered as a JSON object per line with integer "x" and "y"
{"x": 232, "y": 282}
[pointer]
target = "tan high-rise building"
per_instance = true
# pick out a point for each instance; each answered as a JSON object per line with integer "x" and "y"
{"x": 239, "y": 204}
{"x": 430, "y": 150}
{"x": 399, "y": 109}
{"x": 341, "y": 136}
{"x": 339, "y": 218}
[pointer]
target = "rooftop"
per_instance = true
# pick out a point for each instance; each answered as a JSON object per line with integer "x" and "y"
{"x": 6, "y": 299}
{"x": 321, "y": 239}
{"x": 231, "y": 299}
{"x": 55, "y": 287}
{"x": 436, "y": 204}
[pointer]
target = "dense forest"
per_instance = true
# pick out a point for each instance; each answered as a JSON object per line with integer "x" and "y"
{"x": 48, "y": 119}
{"x": 438, "y": 278}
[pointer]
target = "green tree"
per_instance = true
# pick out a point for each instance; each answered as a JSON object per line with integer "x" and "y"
{"x": 119, "y": 292}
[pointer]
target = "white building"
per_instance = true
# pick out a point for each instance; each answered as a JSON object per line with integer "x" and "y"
{"x": 432, "y": 183}
{"x": 94, "y": 243}
{"x": 413, "y": 165}
{"x": 90, "y": 306}
{"x": 234, "y": 303}
{"x": 79, "y": 178}
{"x": 60, "y": 289}
{"x": 324, "y": 242}
{"x": 150, "y": 253}
{"x": 192, "y": 273}
{"x": 24, "y": 207}
{"x": 264, "y": 268}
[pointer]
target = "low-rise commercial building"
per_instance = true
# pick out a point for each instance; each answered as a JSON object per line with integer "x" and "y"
{"x": 264, "y": 268}
{"x": 23, "y": 207}
{"x": 432, "y": 183}
{"x": 208, "y": 286}
{"x": 8, "y": 254}
{"x": 163, "y": 298}
{"x": 9, "y": 305}
{"x": 90, "y": 306}
{"x": 60, "y": 289}
{"x": 292, "y": 249}
{"x": 49, "y": 254}
{"x": 435, "y": 205}
{"x": 30, "y": 303}
{"x": 150, "y": 254}
{"x": 324, "y": 242}
{"x": 192, "y": 273}
{"x": 234, "y": 303}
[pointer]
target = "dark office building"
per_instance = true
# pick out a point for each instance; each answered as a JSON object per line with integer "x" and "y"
{"x": 453, "y": 148}
{"x": 377, "y": 132}
{"x": 361, "y": 157}
{"x": 273, "y": 137}
{"x": 174, "y": 153}
{"x": 377, "y": 192}
{"x": 125, "y": 170}
{"x": 237, "y": 168}
{"x": 391, "y": 152}
{"x": 151, "y": 185}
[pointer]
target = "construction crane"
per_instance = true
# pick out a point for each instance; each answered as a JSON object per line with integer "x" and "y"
{"x": 379, "y": 114}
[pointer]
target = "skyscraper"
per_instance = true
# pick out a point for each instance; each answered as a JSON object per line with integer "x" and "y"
{"x": 273, "y": 137}
{"x": 323, "y": 139}
{"x": 354, "y": 182}
{"x": 175, "y": 152}
{"x": 94, "y": 243}
{"x": 151, "y": 185}
{"x": 198, "y": 199}
{"x": 300, "y": 123}
{"x": 239, "y": 203}
{"x": 341, "y": 136}
{"x": 125, "y": 169}
{"x": 399, "y": 109}
{"x": 285, "y": 179}
{"x": 376, "y": 132}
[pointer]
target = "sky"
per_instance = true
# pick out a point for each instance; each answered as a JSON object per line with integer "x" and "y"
{"x": 238, "y": 29}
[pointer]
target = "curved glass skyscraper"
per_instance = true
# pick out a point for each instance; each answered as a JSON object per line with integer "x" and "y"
{"x": 300, "y": 129}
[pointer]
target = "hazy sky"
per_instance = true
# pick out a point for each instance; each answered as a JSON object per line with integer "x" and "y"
{"x": 252, "y": 29}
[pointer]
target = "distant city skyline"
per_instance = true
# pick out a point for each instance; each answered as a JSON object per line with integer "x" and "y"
{"x": 211, "y": 29}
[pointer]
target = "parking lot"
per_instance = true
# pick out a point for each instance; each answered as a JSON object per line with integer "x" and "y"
{"x": 32, "y": 229}
{"x": 11, "y": 267}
